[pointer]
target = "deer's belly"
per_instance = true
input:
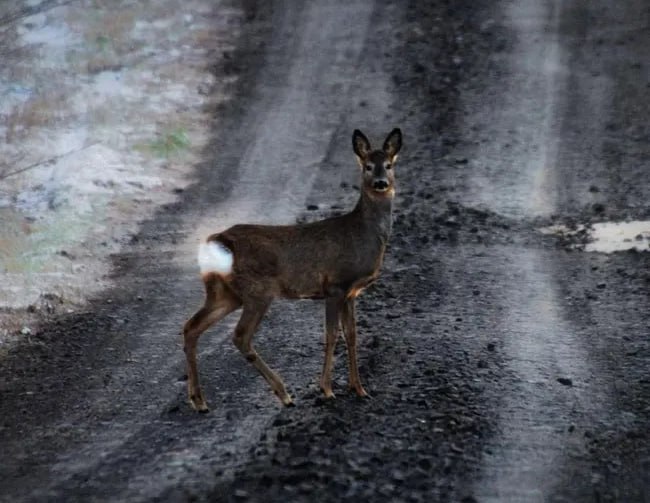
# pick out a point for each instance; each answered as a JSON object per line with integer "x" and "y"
{"x": 322, "y": 285}
{"x": 304, "y": 287}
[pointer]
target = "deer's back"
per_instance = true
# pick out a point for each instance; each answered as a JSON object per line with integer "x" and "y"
{"x": 313, "y": 260}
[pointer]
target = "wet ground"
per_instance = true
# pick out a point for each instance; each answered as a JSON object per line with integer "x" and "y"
{"x": 504, "y": 363}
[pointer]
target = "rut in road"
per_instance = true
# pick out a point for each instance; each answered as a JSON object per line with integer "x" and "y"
{"x": 546, "y": 135}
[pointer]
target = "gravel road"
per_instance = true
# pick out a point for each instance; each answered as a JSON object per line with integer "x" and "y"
{"x": 504, "y": 364}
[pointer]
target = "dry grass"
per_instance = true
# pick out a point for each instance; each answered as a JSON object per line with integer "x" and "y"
{"x": 15, "y": 232}
{"x": 107, "y": 34}
{"x": 41, "y": 110}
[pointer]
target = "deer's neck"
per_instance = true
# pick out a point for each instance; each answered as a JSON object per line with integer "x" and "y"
{"x": 376, "y": 213}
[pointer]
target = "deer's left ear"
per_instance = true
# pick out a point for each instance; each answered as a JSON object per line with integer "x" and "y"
{"x": 393, "y": 144}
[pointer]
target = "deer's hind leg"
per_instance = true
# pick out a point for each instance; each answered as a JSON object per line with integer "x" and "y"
{"x": 219, "y": 301}
{"x": 254, "y": 310}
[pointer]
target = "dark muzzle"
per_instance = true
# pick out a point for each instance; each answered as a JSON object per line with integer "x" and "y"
{"x": 380, "y": 184}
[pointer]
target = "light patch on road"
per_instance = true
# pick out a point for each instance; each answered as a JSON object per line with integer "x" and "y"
{"x": 539, "y": 412}
{"x": 608, "y": 237}
{"x": 515, "y": 171}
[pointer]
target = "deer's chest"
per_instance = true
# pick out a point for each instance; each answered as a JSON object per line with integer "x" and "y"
{"x": 359, "y": 274}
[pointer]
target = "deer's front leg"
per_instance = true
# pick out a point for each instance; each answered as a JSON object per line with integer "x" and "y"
{"x": 350, "y": 330}
{"x": 332, "y": 321}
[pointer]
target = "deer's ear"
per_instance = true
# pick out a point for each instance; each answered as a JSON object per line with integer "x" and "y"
{"x": 393, "y": 144}
{"x": 360, "y": 145}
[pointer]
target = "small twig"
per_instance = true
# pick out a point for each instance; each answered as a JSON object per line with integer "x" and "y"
{"x": 6, "y": 165}
{"x": 45, "y": 161}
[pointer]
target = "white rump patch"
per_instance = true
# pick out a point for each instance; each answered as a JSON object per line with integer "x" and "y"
{"x": 215, "y": 257}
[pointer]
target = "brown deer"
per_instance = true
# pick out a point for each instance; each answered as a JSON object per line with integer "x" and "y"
{"x": 333, "y": 259}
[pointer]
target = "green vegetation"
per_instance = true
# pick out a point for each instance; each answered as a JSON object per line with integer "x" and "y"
{"x": 102, "y": 42}
{"x": 170, "y": 143}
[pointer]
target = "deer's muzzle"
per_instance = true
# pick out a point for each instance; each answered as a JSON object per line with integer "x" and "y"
{"x": 380, "y": 185}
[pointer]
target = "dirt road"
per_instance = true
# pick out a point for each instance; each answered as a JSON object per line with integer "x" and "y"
{"x": 504, "y": 364}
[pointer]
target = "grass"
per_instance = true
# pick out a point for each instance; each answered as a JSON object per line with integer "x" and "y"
{"x": 102, "y": 42}
{"x": 169, "y": 143}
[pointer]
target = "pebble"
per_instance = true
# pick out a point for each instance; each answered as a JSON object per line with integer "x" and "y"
{"x": 598, "y": 208}
{"x": 424, "y": 463}
{"x": 398, "y": 475}
{"x": 241, "y": 494}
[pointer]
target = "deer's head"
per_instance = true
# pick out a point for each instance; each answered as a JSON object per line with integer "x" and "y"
{"x": 378, "y": 177}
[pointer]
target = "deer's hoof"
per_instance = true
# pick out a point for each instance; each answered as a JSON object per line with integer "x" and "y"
{"x": 359, "y": 391}
{"x": 285, "y": 398}
{"x": 199, "y": 405}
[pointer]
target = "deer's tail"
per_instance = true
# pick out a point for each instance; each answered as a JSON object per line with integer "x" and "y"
{"x": 215, "y": 257}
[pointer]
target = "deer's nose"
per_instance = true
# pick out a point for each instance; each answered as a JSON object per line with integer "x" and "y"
{"x": 380, "y": 184}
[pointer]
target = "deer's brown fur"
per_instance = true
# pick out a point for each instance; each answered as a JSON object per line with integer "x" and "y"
{"x": 332, "y": 259}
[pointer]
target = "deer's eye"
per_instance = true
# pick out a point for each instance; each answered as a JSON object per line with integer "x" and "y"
{"x": 388, "y": 166}
{"x": 368, "y": 167}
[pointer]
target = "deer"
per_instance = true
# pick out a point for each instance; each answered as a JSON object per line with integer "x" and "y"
{"x": 248, "y": 266}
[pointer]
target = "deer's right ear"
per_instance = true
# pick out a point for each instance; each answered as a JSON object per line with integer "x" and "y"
{"x": 360, "y": 145}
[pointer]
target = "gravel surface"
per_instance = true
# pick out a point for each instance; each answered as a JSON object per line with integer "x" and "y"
{"x": 502, "y": 363}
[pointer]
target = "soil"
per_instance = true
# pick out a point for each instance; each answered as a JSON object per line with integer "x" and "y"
{"x": 503, "y": 363}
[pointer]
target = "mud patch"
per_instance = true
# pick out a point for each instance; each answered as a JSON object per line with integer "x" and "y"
{"x": 604, "y": 237}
